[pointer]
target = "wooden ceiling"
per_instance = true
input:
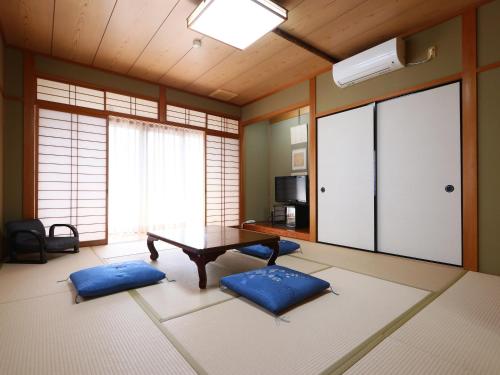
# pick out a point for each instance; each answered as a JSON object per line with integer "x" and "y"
{"x": 149, "y": 39}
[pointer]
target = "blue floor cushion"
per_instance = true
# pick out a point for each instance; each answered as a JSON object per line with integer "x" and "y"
{"x": 264, "y": 252}
{"x": 275, "y": 288}
{"x": 112, "y": 278}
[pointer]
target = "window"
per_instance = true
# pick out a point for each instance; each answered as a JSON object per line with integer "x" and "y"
{"x": 222, "y": 181}
{"x": 131, "y": 105}
{"x": 186, "y": 116}
{"x": 223, "y": 124}
{"x": 65, "y": 93}
{"x": 156, "y": 176}
{"x": 72, "y": 172}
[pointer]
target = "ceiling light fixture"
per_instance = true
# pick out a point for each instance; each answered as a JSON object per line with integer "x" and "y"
{"x": 238, "y": 23}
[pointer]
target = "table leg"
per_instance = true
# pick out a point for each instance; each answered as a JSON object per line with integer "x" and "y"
{"x": 275, "y": 247}
{"x": 151, "y": 247}
{"x": 201, "y": 260}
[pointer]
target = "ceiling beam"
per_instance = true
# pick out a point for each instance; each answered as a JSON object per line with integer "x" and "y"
{"x": 300, "y": 43}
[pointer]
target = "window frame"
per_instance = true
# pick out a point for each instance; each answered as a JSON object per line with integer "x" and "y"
{"x": 161, "y": 119}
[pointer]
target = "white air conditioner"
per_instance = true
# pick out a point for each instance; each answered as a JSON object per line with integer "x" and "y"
{"x": 381, "y": 59}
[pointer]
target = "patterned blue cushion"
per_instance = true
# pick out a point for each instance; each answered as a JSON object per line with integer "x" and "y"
{"x": 264, "y": 252}
{"x": 112, "y": 278}
{"x": 275, "y": 288}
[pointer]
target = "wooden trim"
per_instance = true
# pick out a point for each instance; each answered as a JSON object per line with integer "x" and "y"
{"x": 312, "y": 170}
{"x": 242, "y": 175}
{"x": 469, "y": 141}
{"x": 29, "y": 137}
{"x": 199, "y": 109}
{"x": 107, "y": 181}
{"x": 205, "y": 171}
{"x": 491, "y": 66}
{"x": 270, "y": 115}
{"x": 92, "y": 86}
{"x": 162, "y": 104}
{"x": 419, "y": 87}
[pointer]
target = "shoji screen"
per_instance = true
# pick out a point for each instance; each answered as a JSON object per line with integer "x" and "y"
{"x": 72, "y": 172}
{"x": 419, "y": 175}
{"x": 346, "y": 178}
{"x": 222, "y": 181}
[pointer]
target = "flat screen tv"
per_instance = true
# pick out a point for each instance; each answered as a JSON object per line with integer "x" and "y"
{"x": 291, "y": 189}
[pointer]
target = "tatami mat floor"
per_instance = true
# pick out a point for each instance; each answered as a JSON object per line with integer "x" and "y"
{"x": 173, "y": 327}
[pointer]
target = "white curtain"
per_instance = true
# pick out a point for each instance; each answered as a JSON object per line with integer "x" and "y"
{"x": 156, "y": 176}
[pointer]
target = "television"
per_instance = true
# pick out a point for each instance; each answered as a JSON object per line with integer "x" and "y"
{"x": 291, "y": 189}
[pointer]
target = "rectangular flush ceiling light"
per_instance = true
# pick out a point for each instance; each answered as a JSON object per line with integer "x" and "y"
{"x": 238, "y": 23}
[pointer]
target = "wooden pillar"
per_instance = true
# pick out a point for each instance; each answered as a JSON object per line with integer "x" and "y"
{"x": 312, "y": 160}
{"x": 469, "y": 141}
{"x": 29, "y": 177}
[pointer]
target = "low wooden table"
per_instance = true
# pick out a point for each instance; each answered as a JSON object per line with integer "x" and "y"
{"x": 205, "y": 244}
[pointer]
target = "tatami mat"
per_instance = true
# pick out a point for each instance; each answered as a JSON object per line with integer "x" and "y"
{"x": 392, "y": 357}
{"x": 419, "y": 274}
{"x": 128, "y": 248}
{"x": 236, "y": 337}
{"x": 172, "y": 299}
{"x": 461, "y": 327}
{"x": 20, "y": 281}
{"x": 108, "y": 335}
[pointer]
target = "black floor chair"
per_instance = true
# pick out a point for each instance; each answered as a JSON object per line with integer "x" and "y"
{"x": 27, "y": 236}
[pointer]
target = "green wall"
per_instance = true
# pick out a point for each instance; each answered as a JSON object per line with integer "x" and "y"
{"x": 489, "y": 171}
{"x": 13, "y": 135}
{"x": 267, "y": 153}
{"x": 280, "y": 149}
{"x": 182, "y": 97}
{"x": 446, "y": 37}
{"x": 488, "y": 32}
{"x": 256, "y": 170}
{"x": 98, "y": 77}
{"x": 489, "y": 138}
{"x": 296, "y": 94}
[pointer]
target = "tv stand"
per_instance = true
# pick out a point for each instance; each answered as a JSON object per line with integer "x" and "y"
{"x": 279, "y": 229}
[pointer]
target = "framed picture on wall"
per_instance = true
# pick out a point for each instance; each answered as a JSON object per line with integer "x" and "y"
{"x": 299, "y": 159}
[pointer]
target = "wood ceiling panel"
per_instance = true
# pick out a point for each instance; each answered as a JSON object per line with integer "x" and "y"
{"x": 130, "y": 28}
{"x": 168, "y": 46}
{"x": 303, "y": 17}
{"x": 196, "y": 62}
{"x": 238, "y": 63}
{"x": 359, "y": 20}
{"x": 270, "y": 70}
{"x": 78, "y": 28}
{"x": 278, "y": 79}
{"x": 429, "y": 12}
{"x": 149, "y": 39}
{"x": 28, "y": 23}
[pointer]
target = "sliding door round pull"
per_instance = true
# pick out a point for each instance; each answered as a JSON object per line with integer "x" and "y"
{"x": 322, "y": 189}
{"x": 449, "y": 188}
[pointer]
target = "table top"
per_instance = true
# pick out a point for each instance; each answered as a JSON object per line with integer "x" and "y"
{"x": 212, "y": 237}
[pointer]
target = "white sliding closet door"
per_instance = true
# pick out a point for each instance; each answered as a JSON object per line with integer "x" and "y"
{"x": 346, "y": 178}
{"x": 418, "y": 156}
